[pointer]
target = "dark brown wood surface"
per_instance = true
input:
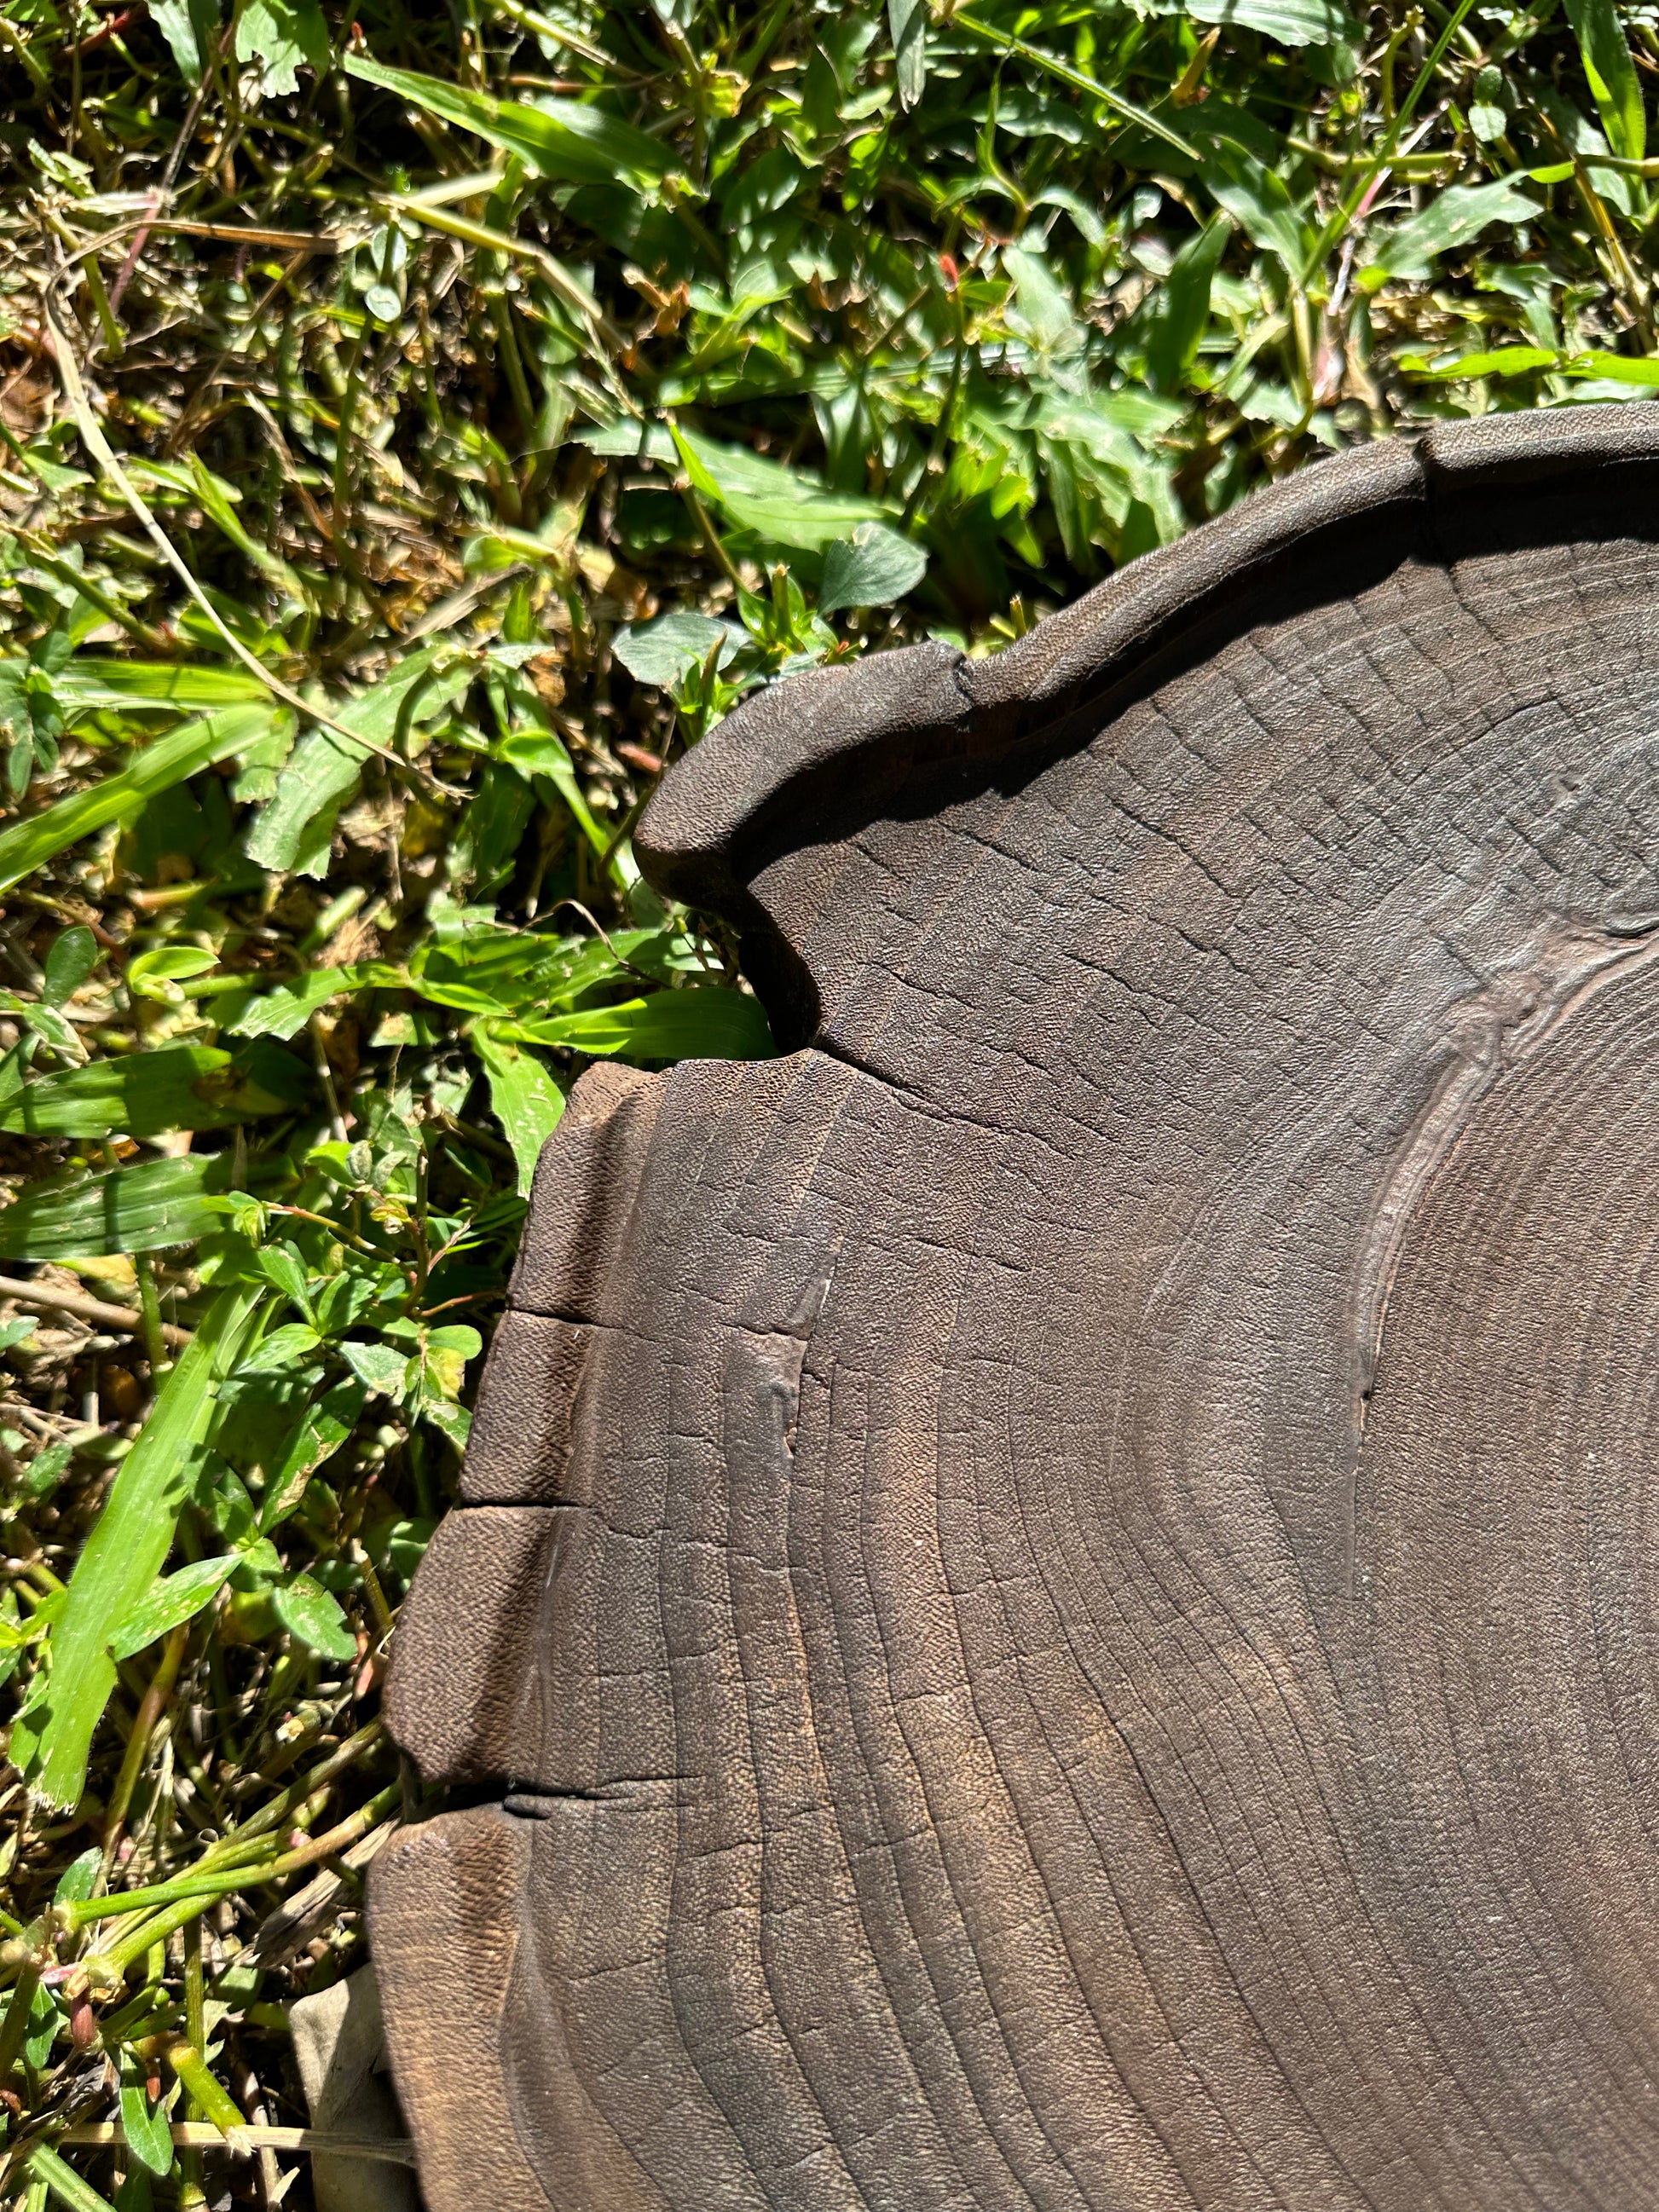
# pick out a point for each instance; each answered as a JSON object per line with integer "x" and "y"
{"x": 1056, "y": 1605}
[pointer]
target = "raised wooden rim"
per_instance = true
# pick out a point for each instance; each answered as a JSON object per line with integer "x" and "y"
{"x": 753, "y": 788}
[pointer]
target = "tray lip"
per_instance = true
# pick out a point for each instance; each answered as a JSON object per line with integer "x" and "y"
{"x": 693, "y": 837}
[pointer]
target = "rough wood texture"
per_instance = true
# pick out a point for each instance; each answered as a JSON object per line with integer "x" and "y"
{"x": 1057, "y": 1609}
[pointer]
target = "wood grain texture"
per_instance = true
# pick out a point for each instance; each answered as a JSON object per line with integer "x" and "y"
{"x": 1057, "y": 1602}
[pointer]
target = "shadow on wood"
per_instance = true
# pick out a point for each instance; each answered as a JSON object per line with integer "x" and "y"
{"x": 1056, "y": 1602}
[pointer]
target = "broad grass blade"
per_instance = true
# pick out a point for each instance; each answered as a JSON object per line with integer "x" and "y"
{"x": 145, "y": 1208}
{"x": 124, "y": 1553}
{"x": 183, "y": 752}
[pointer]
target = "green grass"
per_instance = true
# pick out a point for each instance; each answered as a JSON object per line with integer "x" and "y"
{"x": 419, "y": 426}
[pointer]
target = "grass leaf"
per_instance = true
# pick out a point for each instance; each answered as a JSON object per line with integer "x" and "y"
{"x": 146, "y": 1208}
{"x": 157, "y": 766}
{"x": 562, "y": 138}
{"x": 705, "y": 1022}
{"x": 90, "y": 684}
{"x": 182, "y": 1087}
{"x": 127, "y": 1545}
{"x": 1615, "y": 85}
{"x": 60, "y": 2178}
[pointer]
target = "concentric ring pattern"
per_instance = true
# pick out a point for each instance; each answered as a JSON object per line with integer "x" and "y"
{"x": 1056, "y": 1600}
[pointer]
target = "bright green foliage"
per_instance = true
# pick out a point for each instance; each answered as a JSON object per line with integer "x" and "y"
{"x": 420, "y": 424}
{"x": 119, "y": 1560}
{"x": 1610, "y": 70}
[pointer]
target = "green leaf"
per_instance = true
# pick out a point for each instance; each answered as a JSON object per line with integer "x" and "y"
{"x": 174, "y": 1599}
{"x": 15, "y": 1064}
{"x": 781, "y": 506}
{"x": 147, "y": 2127}
{"x": 706, "y": 1022}
{"x": 1180, "y": 313}
{"x": 123, "y": 1552}
{"x": 257, "y": 1559}
{"x": 1488, "y": 114}
{"x": 307, "y": 1611}
{"x": 18, "y": 1331}
{"x": 627, "y": 440}
{"x": 323, "y": 1428}
{"x": 291, "y": 1345}
{"x": 285, "y": 1011}
{"x": 492, "y": 829}
{"x": 1576, "y": 135}
{"x": 1451, "y": 219}
{"x": 1257, "y": 200}
{"x": 1642, "y": 370}
{"x": 147, "y": 1209}
{"x": 162, "y": 764}
{"x": 45, "y": 1468}
{"x": 450, "y": 1420}
{"x": 73, "y": 956}
{"x": 90, "y": 684}
{"x": 294, "y": 831}
{"x": 906, "y": 24}
{"x": 177, "y": 22}
{"x": 149, "y": 1093}
{"x": 872, "y": 569}
{"x": 541, "y": 753}
{"x": 1615, "y": 85}
{"x": 378, "y": 1367}
{"x": 76, "y": 1882}
{"x": 1504, "y": 360}
{"x": 280, "y": 1265}
{"x": 156, "y": 974}
{"x": 457, "y": 1338}
{"x": 48, "y": 1026}
{"x": 493, "y": 971}
{"x": 1043, "y": 307}
{"x": 661, "y": 652}
{"x": 525, "y": 1096}
{"x": 44, "y": 2021}
{"x": 280, "y": 35}
{"x": 562, "y": 138}
{"x": 1292, "y": 22}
